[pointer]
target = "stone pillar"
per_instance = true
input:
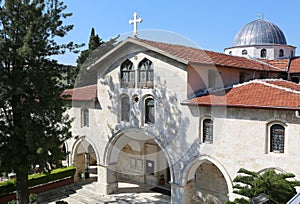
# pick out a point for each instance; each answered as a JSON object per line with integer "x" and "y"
{"x": 182, "y": 194}
{"x": 107, "y": 182}
{"x": 177, "y": 194}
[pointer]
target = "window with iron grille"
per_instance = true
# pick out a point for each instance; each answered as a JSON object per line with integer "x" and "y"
{"x": 277, "y": 138}
{"x": 208, "y": 131}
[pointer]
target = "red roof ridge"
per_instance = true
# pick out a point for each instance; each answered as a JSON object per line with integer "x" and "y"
{"x": 266, "y": 63}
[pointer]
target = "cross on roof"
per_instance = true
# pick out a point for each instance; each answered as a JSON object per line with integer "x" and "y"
{"x": 134, "y": 22}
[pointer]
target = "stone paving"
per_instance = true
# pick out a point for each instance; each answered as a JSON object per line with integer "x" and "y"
{"x": 85, "y": 193}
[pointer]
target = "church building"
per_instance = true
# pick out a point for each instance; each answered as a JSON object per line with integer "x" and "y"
{"x": 187, "y": 119}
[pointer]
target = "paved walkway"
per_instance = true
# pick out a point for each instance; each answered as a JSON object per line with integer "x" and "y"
{"x": 85, "y": 193}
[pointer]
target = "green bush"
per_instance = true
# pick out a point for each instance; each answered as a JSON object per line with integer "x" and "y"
{"x": 38, "y": 179}
{"x": 32, "y": 199}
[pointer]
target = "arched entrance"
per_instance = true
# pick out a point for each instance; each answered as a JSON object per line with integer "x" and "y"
{"x": 136, "y": 158}
{"x": 84, "y": 159}
{"x": 206, "y": 182}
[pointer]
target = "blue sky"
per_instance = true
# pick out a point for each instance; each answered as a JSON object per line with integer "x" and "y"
{"x": 210, "y": 24}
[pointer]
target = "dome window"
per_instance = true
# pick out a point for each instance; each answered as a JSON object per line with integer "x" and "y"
{"x": 263, "y": 53}
{"x": 244, "y": 52}
{"x": 281, "y": 53}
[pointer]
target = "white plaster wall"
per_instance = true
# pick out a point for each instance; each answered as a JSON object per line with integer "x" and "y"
{"x": 241, "y": 140}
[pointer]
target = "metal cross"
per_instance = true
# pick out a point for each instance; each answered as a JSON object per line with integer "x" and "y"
{"x": 134, "y": 22}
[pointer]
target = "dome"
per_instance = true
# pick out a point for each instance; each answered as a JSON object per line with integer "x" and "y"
{"x": 259, "y": 32}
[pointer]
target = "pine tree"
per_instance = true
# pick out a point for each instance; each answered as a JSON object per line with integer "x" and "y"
{"x": 33, "y": 124}
{"x": 277, "y": 187}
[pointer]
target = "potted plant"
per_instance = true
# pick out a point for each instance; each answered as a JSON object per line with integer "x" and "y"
{"x": 162, "y": 180}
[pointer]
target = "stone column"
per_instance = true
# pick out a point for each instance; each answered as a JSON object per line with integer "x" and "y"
{"x": 177, "y": 194}
{"x": 182, "y": 194}
{"x": 107, "y": 182}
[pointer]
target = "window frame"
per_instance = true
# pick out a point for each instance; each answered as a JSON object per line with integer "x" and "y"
{"x": 148, "y": 71}
{"x": 85, "y": 117}
{"x": 122, "y": 107}
{"x": 130, "y": 70}
{"x": 244, "y": 52}
{"x": 263, "y": 53}
{"x": 203, "y": 137}
{"x": 281, "y": 53}
{"x": 146, "y": 116}
{"x": 269, "y": 140}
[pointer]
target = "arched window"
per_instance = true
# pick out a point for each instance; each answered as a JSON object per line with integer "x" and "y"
{"x": 263, "y": 53}
{"x": 281, "y": 53}
{"x": 125, "y": 108}
{"x": 244, "y": 52}
{"x": 145, "y": 76}
{"x": 230, "y": 52}
{"x": 277, "y": 138}
{"x": 207, "y": 130}
{"x": 149, "y": 111}
{"x": 85, "y": 118}
{"x": 127, "y": 74}
{"x": 292, "y": 53}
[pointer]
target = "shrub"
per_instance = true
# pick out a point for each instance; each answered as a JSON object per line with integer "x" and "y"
{"x": 38, "y": 179}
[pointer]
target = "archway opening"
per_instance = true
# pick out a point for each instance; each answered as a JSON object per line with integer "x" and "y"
{"x": 137, "y": 159}
{"x": 205, "y": 183}
{"x": 85, "y": 161}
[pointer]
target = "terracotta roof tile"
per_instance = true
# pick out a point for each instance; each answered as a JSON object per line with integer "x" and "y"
{"x": 283, "y": 64}
{"x": 81, "y": 93}
{"x": 295, "y": 65}
{"x": 273, "y": 93}
{"x": 199, "y": 56}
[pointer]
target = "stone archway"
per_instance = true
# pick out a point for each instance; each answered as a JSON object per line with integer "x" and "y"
{"x": 210, "y": 185}
{"x": 135, "y": 157}
{"x": 206, "y": 181}
{"x": 84, "y": 158}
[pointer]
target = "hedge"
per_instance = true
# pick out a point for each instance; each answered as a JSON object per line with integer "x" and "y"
{"x": 38, "y": 179}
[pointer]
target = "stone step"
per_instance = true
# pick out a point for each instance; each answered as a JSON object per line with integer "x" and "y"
{"x": 90, "y": 187}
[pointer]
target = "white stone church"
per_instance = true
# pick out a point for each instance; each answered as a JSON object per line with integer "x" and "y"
{"x": 188, "y": 119}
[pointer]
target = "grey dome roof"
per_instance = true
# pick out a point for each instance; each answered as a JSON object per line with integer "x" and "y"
{"x": 259, "y": 32}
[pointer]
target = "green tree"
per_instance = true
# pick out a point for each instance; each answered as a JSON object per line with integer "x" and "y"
{"x": 277, "y": 187}
{"x": 33, "y": 123}
{"x": 97, "y": 48}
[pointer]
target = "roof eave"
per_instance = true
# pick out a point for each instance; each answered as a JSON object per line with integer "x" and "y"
{"x": 131, "y": 40}
{"x": 241, "y": 106}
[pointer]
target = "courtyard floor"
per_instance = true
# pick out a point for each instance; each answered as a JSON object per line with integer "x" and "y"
{"x": 84, "y": 192}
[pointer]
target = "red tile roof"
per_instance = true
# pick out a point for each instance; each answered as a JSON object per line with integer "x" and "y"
{"x": 81, "y": 93}
{"x": 199, "y": 56}
{"x": 268, "y": 93}
{"x": 283, "y": 64}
